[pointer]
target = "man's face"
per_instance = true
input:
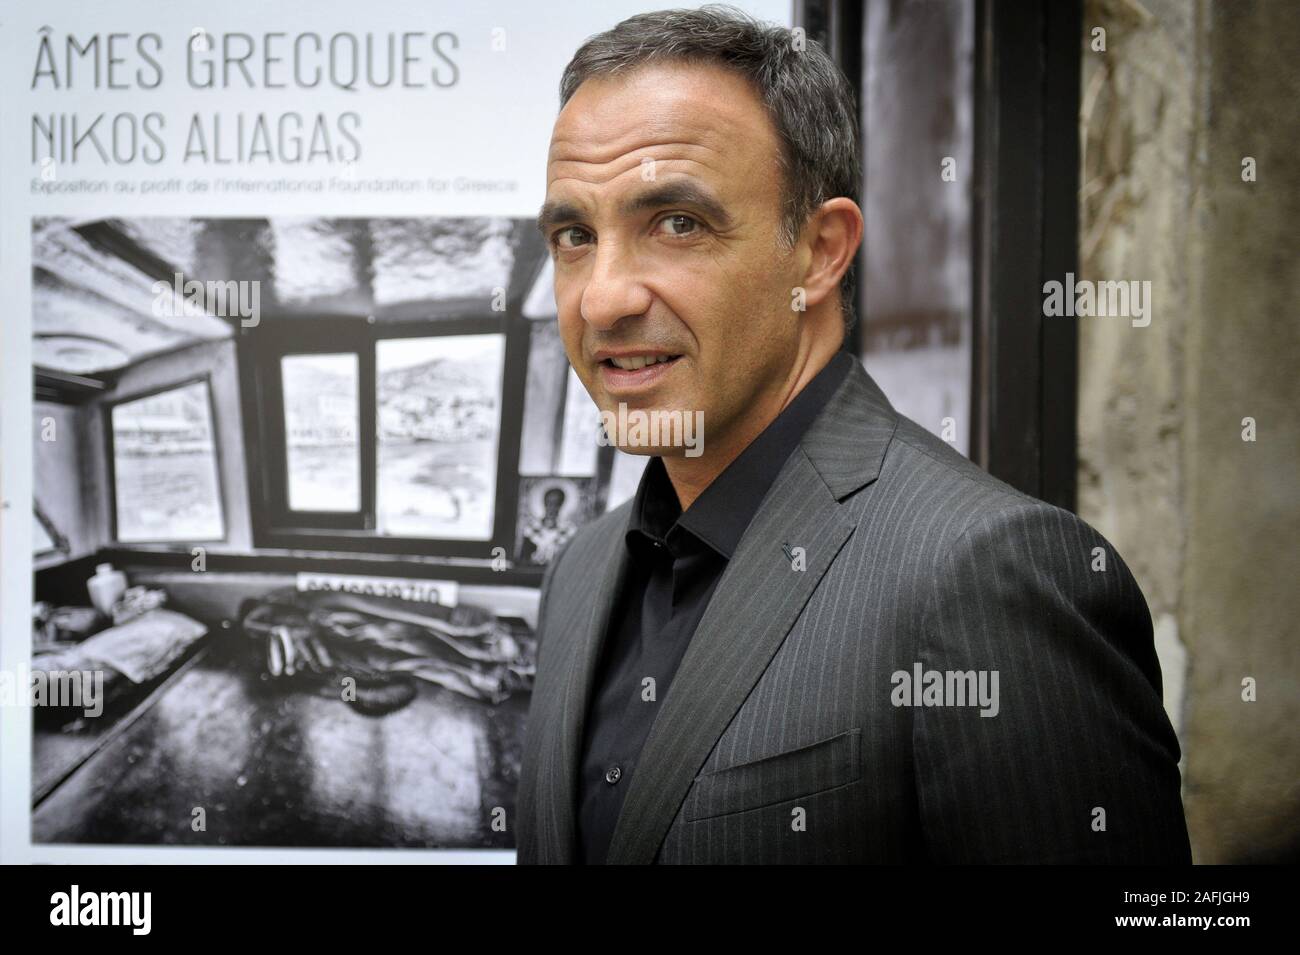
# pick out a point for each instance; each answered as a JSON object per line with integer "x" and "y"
{"x": 663, "y": 213}
{"x": 552, "y": 503}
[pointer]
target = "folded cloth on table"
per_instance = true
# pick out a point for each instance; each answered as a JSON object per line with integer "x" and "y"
{"x": 140, "y": 649}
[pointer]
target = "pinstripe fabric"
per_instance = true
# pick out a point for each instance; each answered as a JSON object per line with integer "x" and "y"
{"x": 780, "y": 741}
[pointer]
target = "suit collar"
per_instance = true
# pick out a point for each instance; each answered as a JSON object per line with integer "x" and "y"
{"x": 847, "y": 442}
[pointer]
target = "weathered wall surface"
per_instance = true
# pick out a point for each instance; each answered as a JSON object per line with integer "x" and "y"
{"x": 1183, "y": 93}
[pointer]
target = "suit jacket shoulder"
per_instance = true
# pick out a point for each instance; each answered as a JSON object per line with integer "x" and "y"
{"x": 1072, "y": 758}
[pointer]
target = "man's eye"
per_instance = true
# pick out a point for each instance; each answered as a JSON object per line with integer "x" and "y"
{"x": 571, "y": 237}
{"x": 678, "y": 225}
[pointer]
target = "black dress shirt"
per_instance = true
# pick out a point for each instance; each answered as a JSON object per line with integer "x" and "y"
{"x": 675, "y": 560}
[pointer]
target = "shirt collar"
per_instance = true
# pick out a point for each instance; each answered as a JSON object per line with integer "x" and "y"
{"x": 724, "y": 510}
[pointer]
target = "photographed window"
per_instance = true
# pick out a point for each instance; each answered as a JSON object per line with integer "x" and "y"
{"x": 438, "y": 427}
{"x": 164, "y": 458}
{"x": 321, "y": 414}
{"x": 390, "y": 440}
{"x": 384, "y": 389}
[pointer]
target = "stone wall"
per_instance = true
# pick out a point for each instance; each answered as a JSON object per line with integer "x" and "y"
{"x": 1184, "y": 95}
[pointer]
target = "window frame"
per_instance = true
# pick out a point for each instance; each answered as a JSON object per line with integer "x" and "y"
{"x": 1024, "y": 229}
{"x": 275, "y": 526}
{"x": 328, "y": 337}
{"x": 108, "y": 407}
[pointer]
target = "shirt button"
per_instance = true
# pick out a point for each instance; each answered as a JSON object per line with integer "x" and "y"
{"x": 613, "y": 775}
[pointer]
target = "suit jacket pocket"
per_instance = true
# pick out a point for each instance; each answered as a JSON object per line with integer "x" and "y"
{"x": 775, "y": 779}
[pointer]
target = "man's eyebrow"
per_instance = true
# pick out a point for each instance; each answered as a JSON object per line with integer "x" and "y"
{"x": 682, "y": 193}
{"x": 679, "y": 193}
{"x": 554, "y": 212}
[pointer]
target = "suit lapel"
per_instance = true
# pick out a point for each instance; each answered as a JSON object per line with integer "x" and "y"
{"x": 579, "y": 669}
{"x": 755, "y": 605}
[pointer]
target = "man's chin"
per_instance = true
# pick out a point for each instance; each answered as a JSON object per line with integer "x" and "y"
{"x": 651, "y": 451}
{"x": 655, "y": 431}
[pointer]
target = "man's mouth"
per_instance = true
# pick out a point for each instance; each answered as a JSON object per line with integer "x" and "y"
{"x": 624, "y": 375}
{"x": 636, "y": 362}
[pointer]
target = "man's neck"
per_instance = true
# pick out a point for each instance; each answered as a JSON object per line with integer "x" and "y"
{"x": 691, "y": 476}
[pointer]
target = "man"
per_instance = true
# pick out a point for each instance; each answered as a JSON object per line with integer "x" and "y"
{"x": 829, "y": 637}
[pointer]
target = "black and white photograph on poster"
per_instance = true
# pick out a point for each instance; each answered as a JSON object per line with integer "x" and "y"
{"x": 550, "y": 512}
{"x": 270, "y": 516}
{"x": 439, "y": 420}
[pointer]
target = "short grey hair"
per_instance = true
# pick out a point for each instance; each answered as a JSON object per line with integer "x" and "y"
{"x": 809, "y": 99}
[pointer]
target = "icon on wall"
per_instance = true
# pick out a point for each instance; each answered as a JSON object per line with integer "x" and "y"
{"x": 551, "y": 509}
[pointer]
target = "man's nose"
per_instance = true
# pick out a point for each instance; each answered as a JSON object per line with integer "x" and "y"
{"x": 614, "y": 288}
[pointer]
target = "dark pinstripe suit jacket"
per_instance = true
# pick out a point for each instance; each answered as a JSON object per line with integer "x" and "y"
{"x": 780, "y": 739}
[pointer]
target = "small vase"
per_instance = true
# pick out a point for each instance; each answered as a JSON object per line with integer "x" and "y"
{"x": 106, "y": 588}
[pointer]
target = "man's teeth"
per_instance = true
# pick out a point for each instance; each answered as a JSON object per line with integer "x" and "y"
{"x": 640, "y": 361}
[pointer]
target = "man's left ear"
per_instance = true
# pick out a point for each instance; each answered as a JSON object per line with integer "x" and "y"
{"x": 834, "y": 232}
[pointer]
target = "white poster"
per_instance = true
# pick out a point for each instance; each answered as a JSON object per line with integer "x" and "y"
{"x": 289, "y": 436}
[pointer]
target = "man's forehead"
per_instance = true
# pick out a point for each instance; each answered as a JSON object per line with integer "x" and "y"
{"x": 663, "y": 111}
